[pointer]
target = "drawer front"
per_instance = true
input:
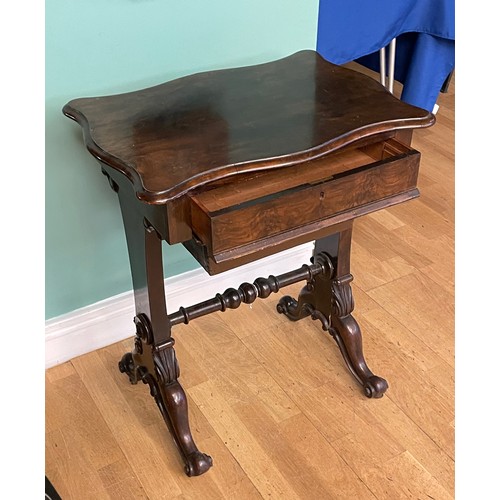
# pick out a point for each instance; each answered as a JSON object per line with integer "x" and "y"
{"x": 275, "y": 214}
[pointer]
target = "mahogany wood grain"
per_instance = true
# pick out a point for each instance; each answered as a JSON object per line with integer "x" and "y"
{"x": 174, "y": 137}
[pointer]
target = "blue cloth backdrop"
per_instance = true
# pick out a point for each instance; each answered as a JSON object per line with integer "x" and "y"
{"x": 355, "y": 30}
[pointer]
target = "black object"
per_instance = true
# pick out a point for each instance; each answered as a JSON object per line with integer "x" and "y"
{"x": 50, "y": 491}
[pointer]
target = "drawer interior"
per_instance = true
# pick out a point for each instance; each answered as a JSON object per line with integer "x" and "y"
{"x": 232, "y": 191}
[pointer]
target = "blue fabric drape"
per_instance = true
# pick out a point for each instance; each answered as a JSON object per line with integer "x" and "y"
{"x": 356, "y": 30}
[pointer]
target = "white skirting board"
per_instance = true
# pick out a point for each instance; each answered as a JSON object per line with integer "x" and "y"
{"x": 111, "y": 320}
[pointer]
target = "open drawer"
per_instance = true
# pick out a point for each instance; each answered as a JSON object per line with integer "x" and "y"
{"x": 230, "y": 216}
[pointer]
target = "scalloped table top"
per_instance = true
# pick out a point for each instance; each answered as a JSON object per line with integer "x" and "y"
{"x": 179, "y": 135}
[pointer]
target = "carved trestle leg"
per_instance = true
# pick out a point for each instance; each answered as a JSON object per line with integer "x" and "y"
{"x": 153, "y": 358}
{"x": 328, "y": 297}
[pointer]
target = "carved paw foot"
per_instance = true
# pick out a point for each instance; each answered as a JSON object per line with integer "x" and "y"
{"x": 197, "y": 463}
{"x": 375, "y": 387}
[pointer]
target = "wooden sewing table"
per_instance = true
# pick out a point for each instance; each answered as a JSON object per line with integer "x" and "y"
{"x": 239, "y": 164}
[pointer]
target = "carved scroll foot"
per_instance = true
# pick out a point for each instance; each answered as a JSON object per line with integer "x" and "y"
{"x": 329, "y": 299}
{"x": 347, "y": 333}
{"x": 197, "y": 463}
{"x": 300, "y": 308}
{"x": 169, "y": 396}
{"x": 127, "y": 365}
{"x": 175, "y": 413}
{"x": 375, "y": 387}
{"x": 348, "y": 337}
{"x": 292, "y": 309}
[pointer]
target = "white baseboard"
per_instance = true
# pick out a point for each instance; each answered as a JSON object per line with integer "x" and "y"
{"x": 111, "y": 320}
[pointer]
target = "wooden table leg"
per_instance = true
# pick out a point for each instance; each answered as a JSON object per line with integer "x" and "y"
{"x": 153, "y": 359}
{"x": 328, "y": 297}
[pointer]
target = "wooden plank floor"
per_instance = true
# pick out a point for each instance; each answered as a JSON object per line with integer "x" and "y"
{"x": 271, "y": 401}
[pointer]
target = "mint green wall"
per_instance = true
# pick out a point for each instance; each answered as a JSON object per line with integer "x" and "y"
{"x": 111, "y": 46}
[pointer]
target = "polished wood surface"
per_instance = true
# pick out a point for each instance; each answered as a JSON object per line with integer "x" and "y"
{"x": 179, "y": 135}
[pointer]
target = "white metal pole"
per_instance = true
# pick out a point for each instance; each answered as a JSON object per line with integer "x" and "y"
{"x": 392, "y": 63}
{"x": 382, "y": 66}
